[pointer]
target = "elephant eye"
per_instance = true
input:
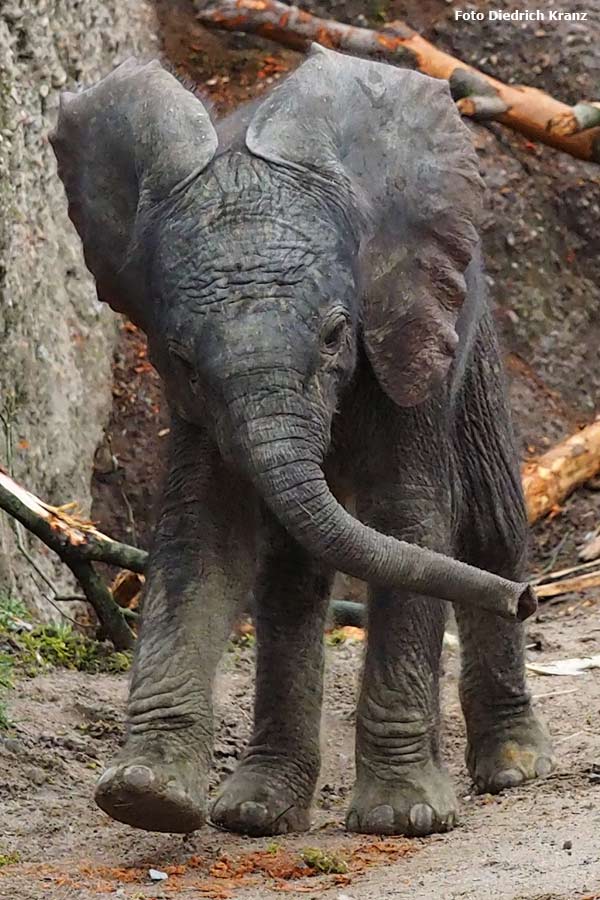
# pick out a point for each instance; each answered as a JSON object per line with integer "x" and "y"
{"x": 333, "y": 333}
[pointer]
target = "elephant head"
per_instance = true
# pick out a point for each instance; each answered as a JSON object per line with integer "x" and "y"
{"x": 259, "y": 253}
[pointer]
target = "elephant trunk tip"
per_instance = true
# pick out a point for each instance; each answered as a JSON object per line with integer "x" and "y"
{"x": 527, "y": 603}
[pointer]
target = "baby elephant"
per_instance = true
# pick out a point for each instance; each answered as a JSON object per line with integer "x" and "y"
{"x": 307, "y": 273}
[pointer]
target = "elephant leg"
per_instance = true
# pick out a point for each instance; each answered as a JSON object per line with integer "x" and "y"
{"x": 506, "y": 742}
{"x": 272, "y": 788}
{"x": 201, "y": 567}
{"x": 401, "y": 786}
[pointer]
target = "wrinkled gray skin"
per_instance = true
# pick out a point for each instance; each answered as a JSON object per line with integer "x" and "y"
{"x": 309, "y": 281}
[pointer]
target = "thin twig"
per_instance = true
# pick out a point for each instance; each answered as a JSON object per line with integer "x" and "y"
{"x": 562, "y": 573}
{"x": 554, "y": 694}
{"x": 555, "y": 553}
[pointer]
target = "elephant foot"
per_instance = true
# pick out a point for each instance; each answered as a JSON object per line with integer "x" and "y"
{"x": 420, "y": 802}
{"x": 152, "y": 794}
{"x": 508, "y": 753}
{"x": 259, "y": 800}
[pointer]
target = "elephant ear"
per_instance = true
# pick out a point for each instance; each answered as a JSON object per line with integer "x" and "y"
{"x": 123, "y": 145}
{"x": 389, "y": 145}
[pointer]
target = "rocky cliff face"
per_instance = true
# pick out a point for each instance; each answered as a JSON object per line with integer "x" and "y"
{"x": 56, "y": 341}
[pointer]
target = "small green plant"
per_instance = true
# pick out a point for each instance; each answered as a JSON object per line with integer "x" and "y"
{"x": 244, "y": 636}
{"x": 11, "y": 610}
{"x": 324, "y": 863}
{"x": 335, "y": 637}
{"x": 273, "y": 848}
{"x": 27, "y": 650}
{"x": 9, "y": 859}
{"x": 60, "y": 646}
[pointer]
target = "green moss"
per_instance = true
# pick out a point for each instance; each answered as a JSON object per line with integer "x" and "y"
{"x": 324, "y": 863}
{"x": 60, "y": 646}
{"x": 27, "y": 650}
{"x": 335, "y": 637}
{"x": 9, "y": 859}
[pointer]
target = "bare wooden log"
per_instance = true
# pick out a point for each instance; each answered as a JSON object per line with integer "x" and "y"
{"x": 524, "y": 109}
{"x": 76, "y": 542}
{"x": 548, "y": 480}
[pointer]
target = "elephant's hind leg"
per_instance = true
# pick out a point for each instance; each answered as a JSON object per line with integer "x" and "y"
{"x": 272, "y": 789}
{"x": 201, "y": 567}
{"x": 506, "y": 742}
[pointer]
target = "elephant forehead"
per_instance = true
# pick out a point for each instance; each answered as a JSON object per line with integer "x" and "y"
{"x": 235, "y": 253}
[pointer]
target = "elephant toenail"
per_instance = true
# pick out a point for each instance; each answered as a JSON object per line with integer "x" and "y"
{"x": 380, "y": 820}
{"x": 106, "y": 776}
{"x": 254, "y": 815}
{"x": 138, "y": 776}
{"x": 543, "y": 766}
{"x": 352, "y": 821}
{"x": 421, "y": 818}
{"x": 450, "y": 821}
{"x": 507, "y": 778}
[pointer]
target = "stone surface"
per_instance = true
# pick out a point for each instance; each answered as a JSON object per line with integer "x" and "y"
{"x": 56, "y": 340}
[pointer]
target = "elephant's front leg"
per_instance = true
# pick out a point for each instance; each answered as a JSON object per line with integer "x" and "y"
{"x": 201, "y": 566}
{"x": 272, "y": 789}
{"x": 401, "y": 785}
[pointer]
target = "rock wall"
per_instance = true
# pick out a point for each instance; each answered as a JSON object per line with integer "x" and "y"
{"x": 56, "y": 340}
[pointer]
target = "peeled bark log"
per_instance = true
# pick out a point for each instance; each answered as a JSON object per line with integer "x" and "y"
{"x": 524, "y": 109}
{"x": 548, "y": 480}
{"x": 581, "y": 116}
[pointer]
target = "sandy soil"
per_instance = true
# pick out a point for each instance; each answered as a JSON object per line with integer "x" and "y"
{"x": 538, "y": 841}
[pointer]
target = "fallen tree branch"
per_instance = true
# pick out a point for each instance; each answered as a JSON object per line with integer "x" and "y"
{"x": 110, "y": 615}
{"x": 560, "y": 574}
{"x": 524, "y": 109}
{"x": 548, "y": 480}
{"x": 76, "y": 542}
{"x": 569, "y": 585}
{"x": 63, "y": 532}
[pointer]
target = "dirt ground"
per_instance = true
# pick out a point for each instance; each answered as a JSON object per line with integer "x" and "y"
{"x": 538, "y": 842}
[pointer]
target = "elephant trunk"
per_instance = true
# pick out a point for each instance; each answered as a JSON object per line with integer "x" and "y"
{"x": 288, "y": 474}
